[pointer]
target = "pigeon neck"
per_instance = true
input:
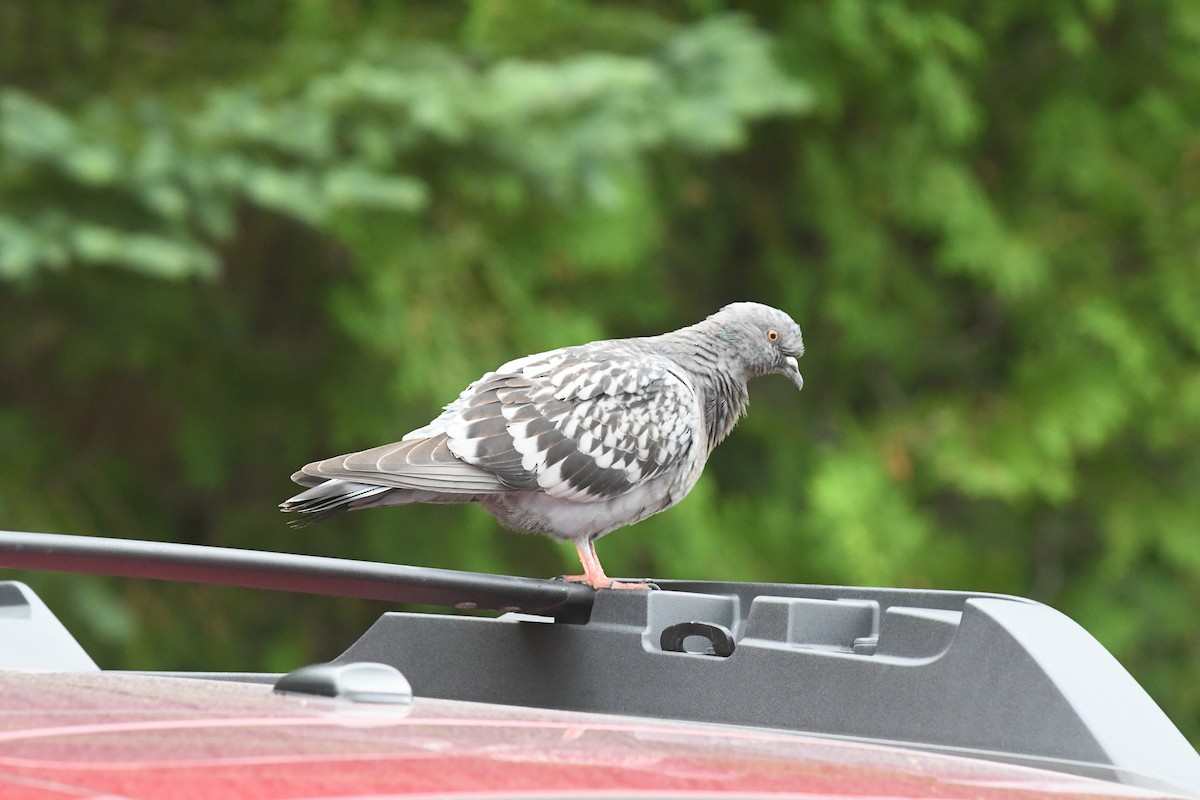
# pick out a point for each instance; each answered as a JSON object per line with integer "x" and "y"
{"x": 725, "y": 401}
{"x": 716, "y": 373}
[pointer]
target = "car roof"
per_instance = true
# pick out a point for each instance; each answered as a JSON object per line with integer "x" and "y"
{"x": 992, "y": 677}
{"x": 132, "y": 735}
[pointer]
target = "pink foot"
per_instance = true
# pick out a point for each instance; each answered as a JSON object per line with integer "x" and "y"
{"x": 593, "y": 574}
{"x": 605, "y": 582}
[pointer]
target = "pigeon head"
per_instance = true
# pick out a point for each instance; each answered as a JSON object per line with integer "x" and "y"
{"x": 765, "y": 340}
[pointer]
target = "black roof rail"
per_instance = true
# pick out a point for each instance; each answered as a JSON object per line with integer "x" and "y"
{"x": 985, "y": 675}
{"x": 289, "y": 572}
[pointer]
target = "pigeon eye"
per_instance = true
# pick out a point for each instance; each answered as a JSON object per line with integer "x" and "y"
{"x": 772, "y": 335}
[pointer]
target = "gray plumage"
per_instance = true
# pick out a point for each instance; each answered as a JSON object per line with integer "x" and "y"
{"x": 576, "y": 442}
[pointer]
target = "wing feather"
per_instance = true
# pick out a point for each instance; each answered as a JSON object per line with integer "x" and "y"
{"x": 586, "y": 423}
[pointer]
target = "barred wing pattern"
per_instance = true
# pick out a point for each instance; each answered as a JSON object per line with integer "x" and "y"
{"x": 584, "y": 424}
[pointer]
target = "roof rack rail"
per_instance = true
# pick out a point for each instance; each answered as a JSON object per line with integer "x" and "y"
{"x": 290, "y": 572}
{"x": 986, "y": 675}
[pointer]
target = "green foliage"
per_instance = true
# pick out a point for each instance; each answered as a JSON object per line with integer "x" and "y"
{"x": 302, "y": 231}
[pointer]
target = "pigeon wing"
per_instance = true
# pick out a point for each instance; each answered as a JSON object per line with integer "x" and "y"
{"x": 585, "y": 424}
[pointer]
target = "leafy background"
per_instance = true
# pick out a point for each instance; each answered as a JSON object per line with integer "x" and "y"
{"x": 238, "y": 236}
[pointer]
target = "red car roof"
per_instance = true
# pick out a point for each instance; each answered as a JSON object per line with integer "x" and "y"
{"x": 69, "y": 735}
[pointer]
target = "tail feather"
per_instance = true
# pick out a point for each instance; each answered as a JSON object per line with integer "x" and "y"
{"x": 328, "y": 499}
{"x": 333, "y": 497}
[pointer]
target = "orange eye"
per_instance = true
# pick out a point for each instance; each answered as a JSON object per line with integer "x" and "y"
{"x": 772, "y": 335}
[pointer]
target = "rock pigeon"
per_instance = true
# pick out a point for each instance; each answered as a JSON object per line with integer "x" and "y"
{"x": 577, "y": 442}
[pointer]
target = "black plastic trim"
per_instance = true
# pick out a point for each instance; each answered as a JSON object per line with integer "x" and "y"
{"x": 93, "y": 555}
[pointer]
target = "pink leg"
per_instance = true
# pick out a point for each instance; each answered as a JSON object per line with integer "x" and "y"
{"x": 593, "y": 574}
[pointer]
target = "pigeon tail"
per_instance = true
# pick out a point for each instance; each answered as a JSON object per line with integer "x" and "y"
{"x": 329, "y": 499}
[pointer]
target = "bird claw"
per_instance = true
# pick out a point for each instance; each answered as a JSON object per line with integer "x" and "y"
{"x": 643, "y": 585}
{"x": 640, "y": 585}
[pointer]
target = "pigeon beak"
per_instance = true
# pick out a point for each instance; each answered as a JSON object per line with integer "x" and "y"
{"x": 792, "y": 370}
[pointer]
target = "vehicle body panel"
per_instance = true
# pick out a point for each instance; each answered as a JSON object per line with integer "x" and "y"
{"x": 67, "y": 735}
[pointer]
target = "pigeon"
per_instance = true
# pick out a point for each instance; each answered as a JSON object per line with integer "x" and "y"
{"x": 576, "y": 442}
